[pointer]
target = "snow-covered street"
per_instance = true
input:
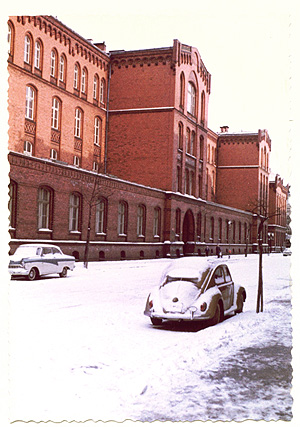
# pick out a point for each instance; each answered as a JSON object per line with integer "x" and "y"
{"x": 81, "y": 349}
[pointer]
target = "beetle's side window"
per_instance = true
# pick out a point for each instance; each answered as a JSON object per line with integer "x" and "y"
{"x": 219, "y": 276}
{"x": 227, "y": 275}
{"x": 55, "y": 251}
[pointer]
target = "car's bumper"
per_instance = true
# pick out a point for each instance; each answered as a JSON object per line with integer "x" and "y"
{"x": 18, "y": 271}
{"x": 177, "y": 316}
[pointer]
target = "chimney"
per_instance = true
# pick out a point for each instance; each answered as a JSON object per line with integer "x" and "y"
{"x": 224, "y": 129}
{"x": 101, "y": 46}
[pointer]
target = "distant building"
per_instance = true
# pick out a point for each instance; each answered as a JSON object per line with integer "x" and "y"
{"x": 119, "y": 141}
{"x": 278, "y": 204}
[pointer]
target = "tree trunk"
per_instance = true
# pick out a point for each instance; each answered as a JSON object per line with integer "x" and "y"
{"x": 87, "y": 243}
{"x": 259, "y": 304}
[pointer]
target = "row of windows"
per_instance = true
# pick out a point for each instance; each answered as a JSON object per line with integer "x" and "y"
{"x": 190, "y": 141}
{"x": 46, "y": 213}
{"x": 33, "y": 54}
{"x": 56, "y": 114}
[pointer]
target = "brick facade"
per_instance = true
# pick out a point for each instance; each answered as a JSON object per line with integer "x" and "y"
{"x": 122, "y": 138}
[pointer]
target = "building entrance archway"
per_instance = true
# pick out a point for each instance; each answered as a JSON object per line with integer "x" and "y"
{"x": 188, "y": 233}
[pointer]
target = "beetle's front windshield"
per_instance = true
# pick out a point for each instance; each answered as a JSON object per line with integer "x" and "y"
{"x": 26, "y": 251}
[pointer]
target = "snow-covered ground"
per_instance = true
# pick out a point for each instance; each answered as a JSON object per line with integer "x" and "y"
{"x": 81, "y": 349}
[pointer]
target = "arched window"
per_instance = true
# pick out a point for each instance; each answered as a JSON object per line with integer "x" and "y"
{"x": 102, "y": 91}
{"x": 187, "y": 140}
{"x": 62, "y": 69}
{"x": 76, "y": 161}
{"x": 212, "y": 229}
{"x": 220, "y": 229}
{"x": 157, "y": 222}
{"x": 201, "y": 147}
{"x": 74, "y": 212}
{"x": 202, "y": 107}
{"x": 177, "y": 222}
{"x": 84, "y": 81}
{"x": 101, "y": 216}
{"x": 199, "y": 224}
{"x": 141, "y": 221}
{"x": 192, "y": 145}
{"x": 30, "y": 103}
{"x": 27, "y": 49}
{"x": 78, "y": 123}
{"x": 191, "y": 100}
{"x": 10, "y": 39}
{"x": 97, "y": 130}
{"x": 178, "y": 180}
{"x": 38, "y": 55}
{"x": 182, "y": 90}
{"x": 28, "y": 148}
{"x": 44, "y": 208}
{"x": 55, "y": 116}
{"x": 76, "y": 76}
{"x": 180, "y": 135}
{"x": 122, "y": 218}
{"x": 53, "y": 63}
{"x": 96, "y": 87}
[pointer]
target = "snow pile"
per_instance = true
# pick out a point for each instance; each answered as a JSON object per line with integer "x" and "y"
{"x": 81, "y": 349}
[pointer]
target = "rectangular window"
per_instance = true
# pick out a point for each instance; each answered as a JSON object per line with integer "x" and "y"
{"x": 37, "y": 55}
{"x": 29, "y": 106}
{"x": 97, "y": 131}
{"x": 74, "y": 213}
{"x": 78, "y": 123}
{"x": 27, "y": 50}
{"x": 55, "y": 114}
{"x": 156, "y": 225}
{"x": 121, "y": 218}
{"x": 62, "y": 69}
{"x": 140, "y": 221}
{"x": 52, "y": 64}
{"x": 100, "y": 217}
{"x": 43, "y": 208}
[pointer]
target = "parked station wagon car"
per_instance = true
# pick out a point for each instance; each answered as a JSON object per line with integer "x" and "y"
{"x": 194, "y": 289}
{"x": 34, "y": 260}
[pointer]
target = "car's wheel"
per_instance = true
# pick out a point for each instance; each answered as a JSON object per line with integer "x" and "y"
{"x": 217, "y": 316}
{"x": 240, "y": 303}
{"x": 33, "y": 274}
{"x": 64, "y": 272}
{"x": 155, "y": 321}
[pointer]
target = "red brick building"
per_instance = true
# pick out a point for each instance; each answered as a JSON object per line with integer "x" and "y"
{"x": 278, "y": 199}
{"x": 120, "y": 138}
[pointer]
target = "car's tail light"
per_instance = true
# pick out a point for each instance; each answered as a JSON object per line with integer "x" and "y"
{"x": 203, "y": 306}
{"x": 150, "y": 304}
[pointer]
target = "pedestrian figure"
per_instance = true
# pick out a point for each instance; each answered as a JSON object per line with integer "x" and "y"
{"x": 207, "y": 250}
{"x": 229, "y": 253}
{"x": 218, "y": 251}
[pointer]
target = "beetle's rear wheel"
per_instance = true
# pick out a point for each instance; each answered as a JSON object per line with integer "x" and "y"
{"x": 33, "y": 274}
{"x": 155, "y": 321}
{"x": 240, "y": 304}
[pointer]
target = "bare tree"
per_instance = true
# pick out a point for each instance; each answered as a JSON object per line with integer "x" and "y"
{"x": 260, "y": 212}
{"x": 91, "y": 192}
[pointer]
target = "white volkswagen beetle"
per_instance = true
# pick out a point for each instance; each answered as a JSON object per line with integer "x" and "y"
{"x": 195, "y": 288}
{"x": 34, "y": 260}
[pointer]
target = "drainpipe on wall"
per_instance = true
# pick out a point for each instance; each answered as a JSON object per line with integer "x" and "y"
{"x": 107, "y": 117}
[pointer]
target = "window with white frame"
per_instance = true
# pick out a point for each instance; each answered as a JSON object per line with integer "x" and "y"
{"x": 122, "y": 218}
{"x": 83, "y": 80}
{"x": 53, "y": 63}
{"x": 102, "y": 91}
{"x": 76, "y": 161}
{"x": 97, "y": 130}
{"x": 78, "y": 123}
{"x": 95, "y": 166}
{"x": 9, "y": 39}
{"x": 43, "y": 208}
{"x": 27, "y": 48}
{"x": 95, "y": 86}
{"x": 55, "y": 114}
{"x": 76, "y": 74}
{"x": 37, "y": 55}
{"x": 191, "y": 99}
{"x": 141, "y": 214}
{"x": 74, "y": 209}
{"x": 28, "y": 148}
{"x": 53, "y": 154}
{"x": 101, "y": 217}
{"x": 62, "y": 68}
{"x": 157, "y": 221}
{"x": 29, "y": 105}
